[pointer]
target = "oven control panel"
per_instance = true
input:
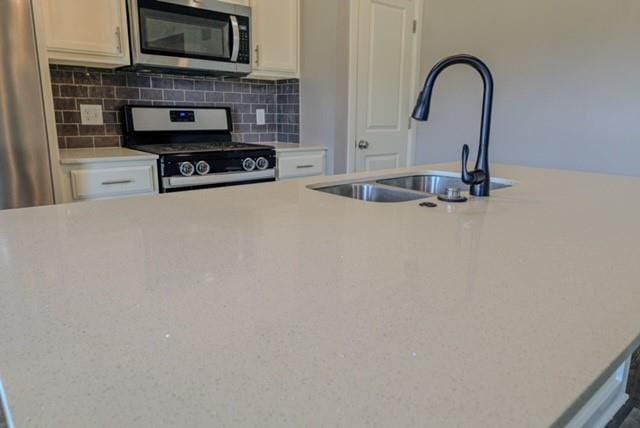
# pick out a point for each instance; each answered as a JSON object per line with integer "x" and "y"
{"x": 193, "y": 165}
{"x": 252, "y": 164}
{"x": 183, "y": 172}
{"x": 182, "y": 116}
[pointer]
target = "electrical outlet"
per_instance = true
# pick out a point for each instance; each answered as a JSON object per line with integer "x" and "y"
{"x": 91, "y": 114}
{"x": 260, "y": 119}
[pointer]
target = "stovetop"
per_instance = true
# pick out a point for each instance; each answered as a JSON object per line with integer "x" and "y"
{"x": 186, "y": 148}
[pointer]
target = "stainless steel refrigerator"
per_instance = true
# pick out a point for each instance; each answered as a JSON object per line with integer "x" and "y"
{"x": 25, "y": 166}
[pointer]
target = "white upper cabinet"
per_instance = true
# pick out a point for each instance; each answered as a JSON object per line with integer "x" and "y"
{"x": 276, "y": 38}
{"x": 88, "y": 33}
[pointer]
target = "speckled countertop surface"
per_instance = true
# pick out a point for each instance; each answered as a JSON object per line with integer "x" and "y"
{"x": 289, "y": 147}
{"x": 102, "y": 154}
{"x": 277, "y": 305}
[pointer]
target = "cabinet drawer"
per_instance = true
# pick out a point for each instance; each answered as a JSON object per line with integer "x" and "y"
{"x": 301, "y": 165}
{"x": 109, "y": 182}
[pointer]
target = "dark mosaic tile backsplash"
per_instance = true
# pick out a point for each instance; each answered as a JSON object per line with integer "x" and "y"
{"x": 73, "y": 86}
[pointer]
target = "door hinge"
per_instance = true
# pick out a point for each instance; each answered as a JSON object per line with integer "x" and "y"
{"x": 415, "y": 26}
{"x": 409, "y": 122}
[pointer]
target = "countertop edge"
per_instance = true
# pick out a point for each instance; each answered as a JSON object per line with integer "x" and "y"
{"x": 584, "y": 398}
{"x": 293, "y": 147}
{"x": 112, "y": 154}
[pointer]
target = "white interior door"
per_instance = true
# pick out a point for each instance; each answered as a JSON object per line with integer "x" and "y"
{"x": 384, "y": 80}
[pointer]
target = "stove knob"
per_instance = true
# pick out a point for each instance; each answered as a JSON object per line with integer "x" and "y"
{"x": 187, "y": 169}
{"x": 202, "y": 168}
{"x": 262, "y": 163}
{"x": 249, "y": 164}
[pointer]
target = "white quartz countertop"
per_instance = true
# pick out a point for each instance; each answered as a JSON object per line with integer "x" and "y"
{"x": 293, "y": 147}
{"x": 277, "y": 305}
{"x": 102, "y": 154}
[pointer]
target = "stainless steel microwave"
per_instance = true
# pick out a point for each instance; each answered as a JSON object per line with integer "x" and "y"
{"x": 191, "y": 36}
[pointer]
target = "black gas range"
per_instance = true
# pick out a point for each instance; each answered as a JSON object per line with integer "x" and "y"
{"x": 195, "y": 147}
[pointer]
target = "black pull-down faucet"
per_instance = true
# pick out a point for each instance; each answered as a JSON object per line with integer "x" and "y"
{"x": 480, "y": 178}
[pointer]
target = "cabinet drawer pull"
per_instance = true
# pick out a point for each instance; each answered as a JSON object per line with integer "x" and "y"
{"x": 304, "y": 166}
{"x": 110, "y": 183}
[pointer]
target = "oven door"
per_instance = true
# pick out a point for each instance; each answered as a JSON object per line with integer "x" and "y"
{"x": 177, "y": 184}
{"x": 181, "y": 34}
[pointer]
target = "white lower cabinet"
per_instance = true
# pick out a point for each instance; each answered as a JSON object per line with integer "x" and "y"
{"x": 605, "y": 402}
{"x": 104, "y": 177}
{"x": 298, "y": 163}
{"x": 108, "y": 182}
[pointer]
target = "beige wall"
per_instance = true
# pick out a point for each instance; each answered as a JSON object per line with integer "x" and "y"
{"x": 324, "y": 69}
{"x": 567, "y": 78}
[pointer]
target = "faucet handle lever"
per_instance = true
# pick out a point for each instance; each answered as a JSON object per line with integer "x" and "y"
{"x": 470, "y": 177}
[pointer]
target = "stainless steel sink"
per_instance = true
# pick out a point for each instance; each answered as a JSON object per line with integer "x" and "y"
{"x": 372, "y": 192}
{"x": 433, "y": 183}
{"x": 402, "y": 189}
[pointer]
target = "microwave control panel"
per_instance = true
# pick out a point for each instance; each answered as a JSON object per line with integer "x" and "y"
{"x": 244, "y": 56}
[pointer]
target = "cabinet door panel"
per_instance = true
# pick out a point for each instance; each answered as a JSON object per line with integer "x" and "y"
{"x": 95, "y": 31}
{"x": 275, "y": 36}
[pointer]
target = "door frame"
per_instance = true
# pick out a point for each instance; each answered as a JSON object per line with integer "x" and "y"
{"x": 354, "y": 6}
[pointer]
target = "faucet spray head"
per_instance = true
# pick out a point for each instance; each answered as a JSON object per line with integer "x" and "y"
{"x": 421, "y": 110}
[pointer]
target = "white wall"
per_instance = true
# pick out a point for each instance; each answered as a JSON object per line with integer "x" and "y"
{"x": 324, "y": 71}
{"x": 567, "y": 76}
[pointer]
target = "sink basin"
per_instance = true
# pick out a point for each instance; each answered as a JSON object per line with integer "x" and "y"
{"x": 402, "y": 189}
{"x": 372, "y": 192}
{"x": 434, "y": 184}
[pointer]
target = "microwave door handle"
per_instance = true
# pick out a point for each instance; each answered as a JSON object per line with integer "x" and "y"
{"x": 235, "y": 29}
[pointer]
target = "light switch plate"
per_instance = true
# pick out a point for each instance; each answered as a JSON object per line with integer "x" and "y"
{"x": 91, "y": 114}
{"x": 260, "y": 119}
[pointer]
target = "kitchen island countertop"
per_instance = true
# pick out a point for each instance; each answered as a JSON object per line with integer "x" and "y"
{"x": 274, "y": 304}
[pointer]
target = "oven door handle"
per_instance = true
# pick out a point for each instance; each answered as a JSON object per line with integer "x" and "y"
{"x": 222, "y": 178}
{"x": 235, "y": 29}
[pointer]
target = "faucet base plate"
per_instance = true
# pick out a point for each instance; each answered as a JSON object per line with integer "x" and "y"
{"x": 455, "y": 200}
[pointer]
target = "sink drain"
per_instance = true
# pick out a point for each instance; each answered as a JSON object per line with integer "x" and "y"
{"x": 428, "y": 204}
